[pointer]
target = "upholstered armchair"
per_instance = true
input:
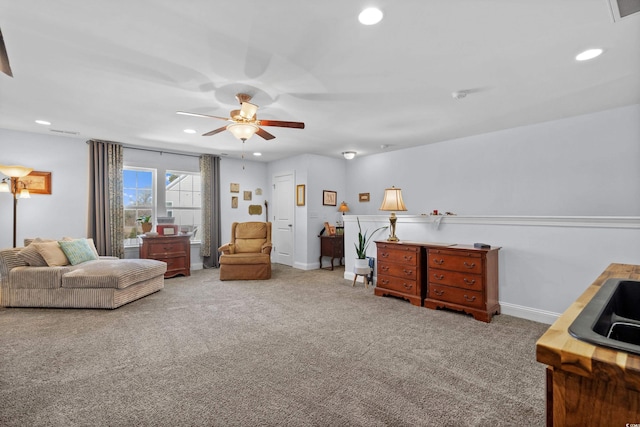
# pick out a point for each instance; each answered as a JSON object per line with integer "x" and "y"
{"x": 248, "y": 255}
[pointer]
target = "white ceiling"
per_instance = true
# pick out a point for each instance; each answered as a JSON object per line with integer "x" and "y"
{"x": 119, "y": 70}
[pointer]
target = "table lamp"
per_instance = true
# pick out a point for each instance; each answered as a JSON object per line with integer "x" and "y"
{"x": 393, "y": 202}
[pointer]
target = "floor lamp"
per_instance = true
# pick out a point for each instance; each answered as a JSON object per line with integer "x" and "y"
{"x": 393, "y": 202}
{"x": 14, "y": 173}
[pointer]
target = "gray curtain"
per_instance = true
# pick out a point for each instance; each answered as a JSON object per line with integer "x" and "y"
{"x": 106, "y": 209}
{"x": 210, "y": 175}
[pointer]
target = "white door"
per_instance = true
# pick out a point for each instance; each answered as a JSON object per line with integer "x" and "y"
{"x": 282, "y": 218}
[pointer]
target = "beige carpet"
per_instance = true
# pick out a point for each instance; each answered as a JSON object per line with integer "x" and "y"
{"x": 303, "y": 349}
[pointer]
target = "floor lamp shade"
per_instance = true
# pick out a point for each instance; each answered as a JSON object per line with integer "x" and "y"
{"x": 393, "y": 202}
{"x": 15, "y": 173}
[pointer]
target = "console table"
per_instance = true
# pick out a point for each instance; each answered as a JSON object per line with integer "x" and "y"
{"x": 433, "y": 275}
{"x": 331, "y": 246}
{"x": 174, "y": 250}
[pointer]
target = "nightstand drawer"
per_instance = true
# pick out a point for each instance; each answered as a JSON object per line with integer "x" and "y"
{"x": 166, "y": 248}
{"x": 405, "y": 286}
{"x": 455, "y": 295}
{"x": 407, "y": 272}
{"x": 456, "y": 279}
{"x": 466, "y": 262}
{"x": 406, "y": 256}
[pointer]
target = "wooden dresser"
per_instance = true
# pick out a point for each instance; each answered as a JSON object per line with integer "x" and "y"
{"x": 174, "y": 250}
{"x": 463, "y": 278}
{"x": 400, "y": 267}
{"x": 331, "y": 246}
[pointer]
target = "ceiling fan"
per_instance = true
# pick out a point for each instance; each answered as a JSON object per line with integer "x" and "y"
{"x": 244, "y": 122}
{"x": 4, "y": 58}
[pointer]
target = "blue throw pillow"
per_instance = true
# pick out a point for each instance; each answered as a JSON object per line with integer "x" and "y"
{"x": 77, "y": 251}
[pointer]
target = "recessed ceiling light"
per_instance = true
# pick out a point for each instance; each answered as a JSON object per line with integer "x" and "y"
{"x": 257, "y": 154}
{"x": 370, "y": 16}
{"x": 589, "y": 54}
{"x": 189, "y": 131}
{"x": 43, "y": 122}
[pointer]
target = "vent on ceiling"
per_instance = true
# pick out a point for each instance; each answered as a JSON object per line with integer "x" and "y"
{"x": 621, "y": 9}
{"x": 68, "y": 132}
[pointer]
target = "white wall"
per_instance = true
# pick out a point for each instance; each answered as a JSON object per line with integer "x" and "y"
{"x": 250, "y": 176}
{"x": 585, "y": 165}
{"x": 64, "y": 212}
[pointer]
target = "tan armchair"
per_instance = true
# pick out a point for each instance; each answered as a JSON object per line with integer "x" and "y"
{"x": 248, "y": 255}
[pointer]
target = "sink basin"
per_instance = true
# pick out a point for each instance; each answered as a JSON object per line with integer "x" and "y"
{"x": 612, "y": 317}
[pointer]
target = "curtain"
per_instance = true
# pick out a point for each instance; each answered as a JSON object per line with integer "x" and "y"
{"x": 210, "y": 175}
{"x": 106, "y": 208}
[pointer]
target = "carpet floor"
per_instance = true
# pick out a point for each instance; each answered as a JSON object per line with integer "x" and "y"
{"x": 302, "y": 349}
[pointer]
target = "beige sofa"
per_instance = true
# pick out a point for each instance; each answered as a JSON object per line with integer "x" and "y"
{"x": 106, "y": 282}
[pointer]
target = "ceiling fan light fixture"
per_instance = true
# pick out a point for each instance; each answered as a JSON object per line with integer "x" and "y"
{"x": 242, "y": 131}
{"x": 248, "y": 110}
{"x": 349, "y": 154}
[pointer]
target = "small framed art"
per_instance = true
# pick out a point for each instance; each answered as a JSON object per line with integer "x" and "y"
{"x": 329, "y": 198}
{"x": 37, "y": 182}
{"x": 363, "y": 197}
{"x": 300, "y": 195}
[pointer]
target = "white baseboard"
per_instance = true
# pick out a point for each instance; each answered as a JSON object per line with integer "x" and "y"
{"x": 306, "y": 266}
{"x": 528, "y": 313}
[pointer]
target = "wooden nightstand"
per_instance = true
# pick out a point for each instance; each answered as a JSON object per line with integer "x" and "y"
{"x": 331, "y": 246}
{"x": 174, "y": 250}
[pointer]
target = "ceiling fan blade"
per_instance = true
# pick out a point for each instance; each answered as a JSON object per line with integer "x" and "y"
{"x": 248, "y": 110}
{"x": 213, "y": 132}
{"x": 279, "y": 123}
{"x": 4, "y": 58}
{"x": 185, "y": 113}
{"x": 264, "y": 134}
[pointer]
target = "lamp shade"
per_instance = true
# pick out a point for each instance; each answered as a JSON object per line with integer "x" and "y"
{"x": 393, "y": 200}
{"x": 24, "y": 194}
{"x": 4, "y": 186}
{"x": 343, "y": 207}
{"x": 15, "y": 171}
{"x": 242, "y": 131}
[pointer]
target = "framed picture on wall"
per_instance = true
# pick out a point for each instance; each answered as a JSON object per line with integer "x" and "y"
{"x": 37, "y": 182}
{"x": 300, "y": 195}
{"x": 363, "y": 197}
{"x": 329, "y": 198}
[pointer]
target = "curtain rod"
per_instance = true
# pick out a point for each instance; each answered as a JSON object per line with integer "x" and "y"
{"x": 133, "y": 147}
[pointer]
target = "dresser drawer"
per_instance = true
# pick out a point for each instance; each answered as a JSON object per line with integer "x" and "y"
{"x": 456, "y": 279}
{"x": 158, "y": 249}
{"x": 174, "y": 263}
{"x": 406, "y": 286}
{"x": 455, "y": 295}
{"x": 468, "y": 262}
{"x": 406, "y": 256}
{"x": 407, "y": 272}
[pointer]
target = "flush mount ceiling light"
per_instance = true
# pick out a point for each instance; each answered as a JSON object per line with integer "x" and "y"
{"x": 349, "y": 154}
{"x": 43, "y": 122}
{"x": 189, "y": 131}
{"x": 370, "y": 16}
{"x": 257, "y": 154}
{"x": 589, "y": 54}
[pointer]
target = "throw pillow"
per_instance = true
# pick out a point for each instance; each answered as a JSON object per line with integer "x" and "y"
{"x": 51, "y": 253}
{"x": 30, "y": 254}
{"x": 77, "y": 251}
{"x": 91, "y": 243}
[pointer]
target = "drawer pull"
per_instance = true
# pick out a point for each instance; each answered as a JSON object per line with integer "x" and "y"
{"x": 407, "y": 287}
{"x": 438, "y": 261}
{"x": 384, "y": 268}
{"x": 385, "y": 281}
{"x": 469, "y": 282}
{"x": 473, "y": 264}
{"x": 472, "y": 299}
{"x": 384, "y": 255}
{"x": 437, "y": 292}
{"x": 438, "y": 276}
{"x": 408, "y": 272}
{"x": 167, "y": 248}
{"x": 408, "y": 257}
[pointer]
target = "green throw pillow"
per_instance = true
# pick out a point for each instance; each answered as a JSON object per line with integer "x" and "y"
{"x": 77, "y": 251}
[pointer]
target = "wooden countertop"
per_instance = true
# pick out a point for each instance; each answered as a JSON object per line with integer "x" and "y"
{"x": 557, "y": 348}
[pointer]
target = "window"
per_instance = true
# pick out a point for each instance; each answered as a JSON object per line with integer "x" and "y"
{"x": 138, "y": 198}
{"x": 183, "y": 200}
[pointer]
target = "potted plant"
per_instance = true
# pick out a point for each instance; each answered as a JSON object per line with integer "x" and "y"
{"x": 145, "y": 222}
{"x": 362, "y": 263}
